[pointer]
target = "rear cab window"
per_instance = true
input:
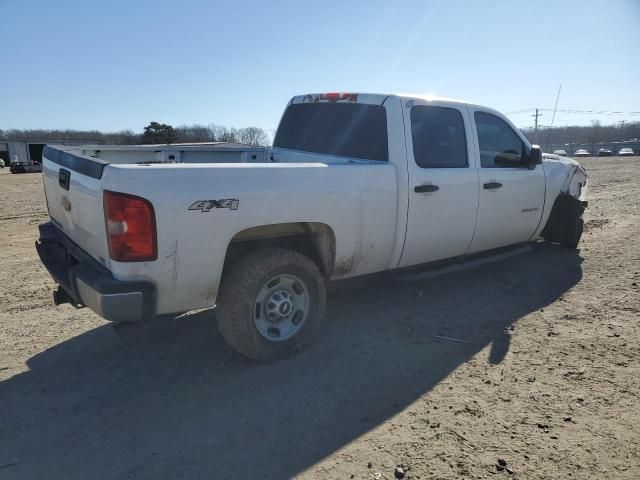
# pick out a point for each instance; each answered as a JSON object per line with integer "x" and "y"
{"x": 438, "y": 136}
{"x": 353, "y": 130}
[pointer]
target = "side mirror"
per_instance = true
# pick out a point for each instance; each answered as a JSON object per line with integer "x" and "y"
{"x": 535, "y": 156}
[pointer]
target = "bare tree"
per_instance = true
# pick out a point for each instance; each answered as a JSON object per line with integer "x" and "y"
{"x": 195, "y": 133}
{"x": 224, "y": 134}
{"x": 594, "y": 133}
{"x": 253, "y": 136}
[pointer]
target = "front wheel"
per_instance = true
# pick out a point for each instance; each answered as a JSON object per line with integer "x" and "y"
{"x": 271, "y": 304}
{"x": 573, "y": 231}
{"x": 565, "y": 223}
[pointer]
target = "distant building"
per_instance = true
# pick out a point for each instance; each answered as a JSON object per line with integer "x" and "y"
{"x": 25, "y": 152}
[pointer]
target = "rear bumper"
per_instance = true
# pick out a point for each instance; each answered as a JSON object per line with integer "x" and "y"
{"x": 88, "y": 283}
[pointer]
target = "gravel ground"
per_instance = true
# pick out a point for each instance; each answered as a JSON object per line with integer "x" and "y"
{"x": 545, "y": 384}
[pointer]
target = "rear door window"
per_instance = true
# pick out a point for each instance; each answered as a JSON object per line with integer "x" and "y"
{"x": 352, "y": 130}
{"x": 438, "y": 136}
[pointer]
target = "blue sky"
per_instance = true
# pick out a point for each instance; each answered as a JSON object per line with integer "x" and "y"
{"x": 115, "y": 64}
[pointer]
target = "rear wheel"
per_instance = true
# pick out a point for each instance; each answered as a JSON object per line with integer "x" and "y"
{"x": 271, "y": 304}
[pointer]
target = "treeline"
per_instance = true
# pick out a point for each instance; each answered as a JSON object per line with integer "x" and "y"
{"x": 162, "y": 133}
{"x": 594, "y": 133}
{"x": 153, "y": 133}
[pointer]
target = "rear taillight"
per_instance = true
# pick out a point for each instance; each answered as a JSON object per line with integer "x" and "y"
{"x": 131, "y": 228}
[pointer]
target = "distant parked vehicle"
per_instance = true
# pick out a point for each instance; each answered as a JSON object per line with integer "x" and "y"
{"x": 17, "y": 167}
{"x": 24, "y": 167}
{"x": 605, "y": 152}
{"x": 625, "y": 152}
{"x": 562, "y": 153}
{"x": 582, "y": 153}
{"x": 2, "y": 163}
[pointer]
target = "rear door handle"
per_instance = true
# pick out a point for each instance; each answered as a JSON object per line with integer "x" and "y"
{"x": 426, "y": 188}
{"x": 492, "y": 185}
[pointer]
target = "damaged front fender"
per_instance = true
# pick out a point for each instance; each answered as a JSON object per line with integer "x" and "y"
{"x": 564, "y": 175}
{"x": 566, "y": 199}
{"x": 576, "y": 184}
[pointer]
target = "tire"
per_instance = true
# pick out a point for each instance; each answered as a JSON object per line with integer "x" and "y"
{"x": 243, "y": 317}
{"x": 565, "y": 224}
{"x": 573, "y": 233}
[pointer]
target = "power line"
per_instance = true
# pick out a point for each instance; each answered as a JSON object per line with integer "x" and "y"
{"x": 582, "y": 112}
{"x": 597, "y": 112}
{"x": 526, "y": 110}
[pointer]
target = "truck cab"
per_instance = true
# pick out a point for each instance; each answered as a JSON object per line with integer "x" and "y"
{"x": 461, "y": 167}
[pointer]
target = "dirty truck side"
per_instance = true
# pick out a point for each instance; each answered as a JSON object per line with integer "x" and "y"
{"x": 354, "y": 184}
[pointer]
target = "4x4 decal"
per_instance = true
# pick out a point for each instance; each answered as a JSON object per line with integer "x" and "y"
{"x": 207, "y": 205}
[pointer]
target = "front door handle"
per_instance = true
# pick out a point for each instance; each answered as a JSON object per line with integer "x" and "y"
{"x": 492, "y": 185}
{"x": 426, "y": 188}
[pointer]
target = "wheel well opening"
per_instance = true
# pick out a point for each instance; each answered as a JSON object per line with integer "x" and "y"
{"x": 314, "y": 240}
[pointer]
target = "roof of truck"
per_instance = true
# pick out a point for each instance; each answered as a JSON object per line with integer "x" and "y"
{"x": 429, "y": 98}
{"x": 366, "y": 97}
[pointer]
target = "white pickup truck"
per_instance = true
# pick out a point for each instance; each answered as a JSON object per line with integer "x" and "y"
{"x": 354, "y": 184}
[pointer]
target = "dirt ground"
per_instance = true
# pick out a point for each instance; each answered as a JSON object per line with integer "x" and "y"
{"x": 546, "y": 380}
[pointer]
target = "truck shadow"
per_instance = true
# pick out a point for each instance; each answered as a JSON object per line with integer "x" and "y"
{"x": 176, "y": 402}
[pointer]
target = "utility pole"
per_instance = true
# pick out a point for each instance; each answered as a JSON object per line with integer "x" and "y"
{"x": 536, "y": 124}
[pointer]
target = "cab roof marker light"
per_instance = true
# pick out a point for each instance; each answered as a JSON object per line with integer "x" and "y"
{"x": 339, "y": 97}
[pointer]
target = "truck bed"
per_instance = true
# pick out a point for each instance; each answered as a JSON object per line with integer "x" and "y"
{"x": 216, "y": 152}
{"x": 358, "y": 200}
